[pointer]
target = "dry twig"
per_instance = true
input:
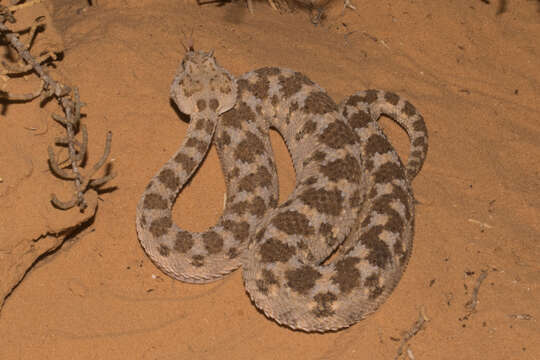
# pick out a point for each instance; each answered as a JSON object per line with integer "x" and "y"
{"x": 473, "y": 302}
{"x": 417, "y": 326}
{"x": 68, "y": 99}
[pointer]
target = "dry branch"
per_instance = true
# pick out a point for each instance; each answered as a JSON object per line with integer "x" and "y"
{"x": 409, "y": 334}
{"x": 68, "y": 99}
{"x": 473, "y": 302}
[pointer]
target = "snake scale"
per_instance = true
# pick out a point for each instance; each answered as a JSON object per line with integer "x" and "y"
{"x": 332, "y": 252}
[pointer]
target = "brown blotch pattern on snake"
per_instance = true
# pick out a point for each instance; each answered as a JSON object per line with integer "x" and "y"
{"x": 213, "y": 242}
{"x": 379, "y": 253}
{"x": 337, "y": 134}
{"x": 325, "y": 201}
{"x": 196, "y": 143}
{"x": 201, "y": 104}
{"x": 155, "y": 201}
{"x": 169, "y": 179}
{"x": 291, "y": 85}
{"x": 319, "y": 103}
{"x": 302, "y": 279}
{"x": 249, "y": 148}
{"x": 268, "y": 279}
{"x": 359, "y": 119}
{"x": 273, "y": 250}
{"x": 292, "y": 222}
{"x": 183, "y": 242}
{"x": 160, "y": 226}
{"x": 347, "y": 169}
{"x": 377, "y": 144}
{"x": 186, "y": 161}
{"x": 240, "y": 230}
{"x": 347, "y": 276}
{"x": 324, "y": 304}
{"x": 391, "y": 98}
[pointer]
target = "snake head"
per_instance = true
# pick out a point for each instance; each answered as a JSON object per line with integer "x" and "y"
{"x": 201, "y": 84}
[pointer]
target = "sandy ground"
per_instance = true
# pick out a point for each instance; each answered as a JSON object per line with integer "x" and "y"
{"x": 473, "y": 74}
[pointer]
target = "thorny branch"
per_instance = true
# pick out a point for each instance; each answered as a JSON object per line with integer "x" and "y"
{"x": 68, "y": 98}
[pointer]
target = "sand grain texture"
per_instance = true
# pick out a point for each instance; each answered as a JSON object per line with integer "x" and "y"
{"x": 474, "y": 76}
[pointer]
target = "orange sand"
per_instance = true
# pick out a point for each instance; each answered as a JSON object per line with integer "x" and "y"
{"x": 474, "y": 75}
